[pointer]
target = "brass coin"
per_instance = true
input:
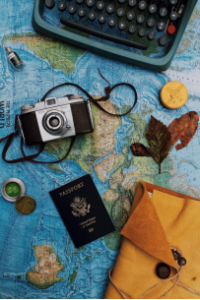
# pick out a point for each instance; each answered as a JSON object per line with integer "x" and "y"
{"x": 25, "y": 205}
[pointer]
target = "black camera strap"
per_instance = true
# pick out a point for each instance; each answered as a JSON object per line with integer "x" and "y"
{"x": 31, "y": 158}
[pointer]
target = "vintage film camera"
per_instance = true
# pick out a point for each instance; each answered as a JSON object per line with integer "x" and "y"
{"x": 55, "y": 118}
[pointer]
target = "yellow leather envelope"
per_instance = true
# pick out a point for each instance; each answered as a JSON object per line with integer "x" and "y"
{"x": 161, "y": 236}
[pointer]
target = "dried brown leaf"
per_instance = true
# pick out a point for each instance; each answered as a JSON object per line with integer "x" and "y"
{"x": 139, "y": 150}
{"x": 159, "y": 139}
{"x": 183, "y": 129}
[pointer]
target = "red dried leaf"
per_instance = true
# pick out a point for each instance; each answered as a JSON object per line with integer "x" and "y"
{"x": 183, "y": 129}
{"x": 139, "y": 150}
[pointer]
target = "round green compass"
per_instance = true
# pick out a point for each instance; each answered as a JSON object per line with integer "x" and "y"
{"x": 12, "y": 189}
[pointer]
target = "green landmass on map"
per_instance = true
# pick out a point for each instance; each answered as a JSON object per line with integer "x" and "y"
{"x": 61, "y": 56}
{"x": 55, "y": 167}
{"x": 72, "y": 277}
{"x": 186, "y": 42}
{"x": 44, "y": 274}
{"x": 77, "y": 253}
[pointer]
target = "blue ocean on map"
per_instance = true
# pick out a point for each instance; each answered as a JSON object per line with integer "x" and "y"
{"x": 85, "y": 272}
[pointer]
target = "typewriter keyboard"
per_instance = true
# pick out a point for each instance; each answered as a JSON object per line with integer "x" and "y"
{"x": 144, "y": 25}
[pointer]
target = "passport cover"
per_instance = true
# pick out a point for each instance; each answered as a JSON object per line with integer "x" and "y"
{"x": 82, "y": 210}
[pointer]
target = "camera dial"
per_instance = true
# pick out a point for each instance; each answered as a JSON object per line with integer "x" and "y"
{"x": 25, "y": 107}
{"x": 55, "y": 122}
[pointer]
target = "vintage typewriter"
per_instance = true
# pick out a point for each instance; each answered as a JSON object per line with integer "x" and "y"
{"x": 143, "y": 32}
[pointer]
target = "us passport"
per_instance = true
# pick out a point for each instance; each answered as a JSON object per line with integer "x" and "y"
{"x": 82, "y": 210}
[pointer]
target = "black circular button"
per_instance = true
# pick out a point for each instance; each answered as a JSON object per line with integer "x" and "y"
{"x": 182, "y": 261}
{"x": 173, "y": 2}
{"x": 163, "y": 271}
{"x": 92, "y": 15}
{"x": 50, "y": 4}
{"x": 151, "y": 35}
{"x": 72, "y": 9}
{"x": 161, "y": 26}
{"x": 82, "y": 12}
{"x": 90, "y": 3}
{"x": 132, "y": 28}
{"x": 121, "y": 1}
{"x": 152, "y": 8}
{"x": 120, "y": 12}
{"x": 142, "y": 5}
{"x": 176, "y": 255}
{"x": 111, "y": 22}
{"x": 163, "y": 40}
{"x": 173, "y": 15}
{"x": 132, "y": 3}
{"x": 142, "y": 32}
{"x": 100, "y": 5}
{"x": 79, "y": 1}
{"x": 102, "y": 18}
{"x": 151, "y": 22}
{"x": 140, "y": 19}
{"x": 130, "y": 16}
{"x": 122, "y": 25}
{"x": 62, "y": 5}
{"x": 110, "y": 8}
{"x": 163, "y": 12}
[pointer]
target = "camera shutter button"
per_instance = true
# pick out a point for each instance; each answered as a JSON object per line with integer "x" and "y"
{"x": 25, "y": 107}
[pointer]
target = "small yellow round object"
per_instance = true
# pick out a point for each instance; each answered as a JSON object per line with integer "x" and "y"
{"x": 173, "y": 95}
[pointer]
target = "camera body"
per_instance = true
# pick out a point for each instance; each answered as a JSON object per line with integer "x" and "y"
{"x": 55, "y": 118}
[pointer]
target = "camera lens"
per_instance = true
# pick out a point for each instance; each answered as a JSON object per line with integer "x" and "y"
{"x": 54, "y": 122}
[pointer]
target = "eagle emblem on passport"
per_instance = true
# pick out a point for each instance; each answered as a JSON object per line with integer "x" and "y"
{"x": 80, "y": 207}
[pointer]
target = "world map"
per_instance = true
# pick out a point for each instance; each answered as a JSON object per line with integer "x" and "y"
{"x": 37, "y": 257}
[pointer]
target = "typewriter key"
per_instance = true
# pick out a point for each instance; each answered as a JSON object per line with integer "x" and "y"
{"x": 62, "y": 5}
{"x": 92, "y": 15}
{"x": 112, "y": 22}
{"x": 110, "y": 8}
{"x": 130, "y": 15}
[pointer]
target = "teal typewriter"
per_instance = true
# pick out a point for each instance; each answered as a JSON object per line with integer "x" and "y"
{"x": 145, "y": 33}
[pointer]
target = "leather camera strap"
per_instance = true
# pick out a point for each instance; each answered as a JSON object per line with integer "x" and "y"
{"x": 31, "y": 158}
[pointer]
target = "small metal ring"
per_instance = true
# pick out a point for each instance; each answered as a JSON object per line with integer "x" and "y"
{"x": 60, "y": 115}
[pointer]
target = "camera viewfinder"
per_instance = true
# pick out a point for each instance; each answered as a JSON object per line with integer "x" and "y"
{"x": 51, "y": 101}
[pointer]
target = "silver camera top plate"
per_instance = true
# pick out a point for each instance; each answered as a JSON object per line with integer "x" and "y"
{"x": 51, "y": 103}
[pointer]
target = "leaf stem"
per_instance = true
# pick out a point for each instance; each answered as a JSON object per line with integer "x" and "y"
{"x": 159, "y": 168}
